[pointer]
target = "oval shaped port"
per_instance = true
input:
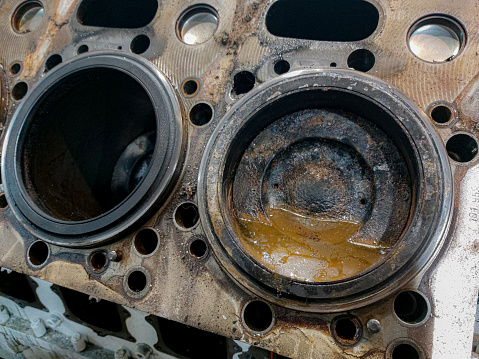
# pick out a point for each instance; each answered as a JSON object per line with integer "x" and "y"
{"x": 323, "y": 20}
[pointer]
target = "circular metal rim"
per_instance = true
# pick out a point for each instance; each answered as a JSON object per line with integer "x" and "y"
{"x": 349, "y": 293}
{"x": 141, "y": 202}
{"x": 441, "y": 17}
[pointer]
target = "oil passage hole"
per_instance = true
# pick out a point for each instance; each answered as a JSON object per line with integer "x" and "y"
{"x": 186, "y": 215}
{"x": 15, "y": 68}
{"x": 98, "y": 261}
{"x": 137, "y": 281}
{"x": 258, "y": 316}
{"x": 190, "y": 87}
{"x": 53, "y": 61}
{"x": 126, "y": 14}
{"x": 146, "y": 241}
{"x": 140, "y": 44}
{"x": 198, "y": 248}
{"x": 19, "y": 91}
{"x": 27, "y": 17}
{"x": 361, "y": 60}
{"x": 441, "y": 114}
{"x": 243, "y": 82}
{"x": 405, "y": 351}
{"x": 201, "y": 114}
{"x": 411, "y": 307}
{"x": 38, "y": 253}
{"x": 82, "y": 49}
{"x": 462, "y": 148}
{"x": 3, "y": 201}
{"x": 197, "y": 24}
{"x": 281, "y": 67}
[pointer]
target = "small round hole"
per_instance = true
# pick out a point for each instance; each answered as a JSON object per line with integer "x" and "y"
{"x": 98, "y": 261}
{"x": 146, "y": 241}
{"x": 38, "y": 253}
{"x": 140, "y": 44}
{"x": 361, "y": 60}
{"x": 137, "y": 281}
{"x": 441, "y": 114}
{"x": 190, "y": 87}
{"x": 186, "y": 215}
{"x": 411, "y": 307}
{"x": 436, "y": 39}
{"x": 82, "y": 49}
{"x": 15, "y": 68}
{"x": 3, "y": 201}
{"x": 258, "y": 316}
{"x": 346, "y": 330}
{"x": 197, "y": 24}
{"x": 19, "y": 91}
{"x": 333, "y": 64}
{"x": 405, "y": 351}
{"x": 27, "y": 17}
{"x": 53, "y": 61}
{"x": 462, "y": 148}
{"x": 198, "y": 248}
{"x": 243, "y": 82}
{"x": 201, "y": 114}
{"x": 363, "y": 201}
{"x": 281, "y": 67}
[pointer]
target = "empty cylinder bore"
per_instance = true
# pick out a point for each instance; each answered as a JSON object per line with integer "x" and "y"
{"x": 322, "y": 189}
{"x": 98, "y": 145}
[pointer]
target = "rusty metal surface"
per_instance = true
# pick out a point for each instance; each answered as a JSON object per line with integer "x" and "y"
{"x": 198, "y": 292}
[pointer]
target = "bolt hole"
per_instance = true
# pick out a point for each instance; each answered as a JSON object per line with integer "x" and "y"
{"x": 137, "y": 281}
{"x": 38, "y": 253}
{"x": 462, "y": 148}
{"x": 15, "y": 68}
{"x": 281, "y": 67}
{"x": 361, "y": 60}
{"x": 140, "y": 44}
{"x": 19, "y": 91}
{"x": 258, "y": 316}
{"x": 190, "y": 87}
{"x": 53, "y": 61}
{"x": 82, "y": 49}
{"x": 201, "y": 114}
{"x": 243, "y": 82}
{"x": 186, "y": 215}
{"x": 198, "y": 248}
{"x": 346, "y": 330}
{"x": 411, "y": 307}
{"x": 333, "y": 64}
{"x": 405, "y": 351}
{"x": 146, "y": 241}
{"x": 98, "y": 261}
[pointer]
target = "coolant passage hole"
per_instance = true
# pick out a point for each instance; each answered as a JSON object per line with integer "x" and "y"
{"x": 3, "y": 201}
{"x": 201, "y": 114}
{"x": 258, "y": 316}
{"x": 405, "y": 351}
{"x": 52, "y": 61}
{"x": 88, "y": 145}
{"x": 243, "y": 82}
{"x": 462, "y": 147}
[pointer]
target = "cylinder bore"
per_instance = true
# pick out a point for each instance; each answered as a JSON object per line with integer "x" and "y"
{"x": 320, "y": 191}
{"x": 96, "y": 147}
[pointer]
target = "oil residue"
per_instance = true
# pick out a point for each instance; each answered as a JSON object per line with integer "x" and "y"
{"x": 312, "y": 249}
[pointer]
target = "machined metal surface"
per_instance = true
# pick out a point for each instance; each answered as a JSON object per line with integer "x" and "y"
{"x": 174, "y": 250}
